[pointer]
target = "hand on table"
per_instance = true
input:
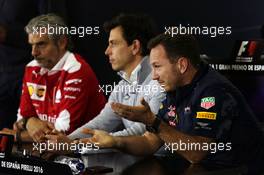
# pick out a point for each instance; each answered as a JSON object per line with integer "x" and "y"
{"x": 99, "y": 137}
{"x": 38, "y": 129}
{"x": 57, "y": 138}
{"x": 19, "y": 125}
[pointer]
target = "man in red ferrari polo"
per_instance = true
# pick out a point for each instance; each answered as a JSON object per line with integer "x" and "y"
{"x": 60, "y": 90}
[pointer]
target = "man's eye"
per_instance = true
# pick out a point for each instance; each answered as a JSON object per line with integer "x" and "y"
{"x": 113, "y": 43}
{"x": 41, "y": 45}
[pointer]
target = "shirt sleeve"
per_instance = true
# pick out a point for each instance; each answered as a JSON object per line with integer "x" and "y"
{"x": 107, "y": 120}
{"x": 154, "y": 98}
{"x": 162, "y": 110}
{"x": 75, "y": 101}
{"x": 26, "y": 108}
{"x": 135, "y": 128}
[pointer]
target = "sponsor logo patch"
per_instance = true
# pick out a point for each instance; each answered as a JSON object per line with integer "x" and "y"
{"x": 40, "y": 92}
{"x": 187, "y": 110}
{"x": 202, "y": 125}
{"x": 70, "y": 97}
{"x": 207, "y": 102}
{"x": 46, "y": 117}
{"x": 206, "y": 115}
{"x": 73, "y": 89}
{"x": 58, "y": 96}
{"x": 30, "y": 90}
{"x": 173, "y": 117}
{"x": 75, "y": 81}
{"x": 36, "y": 91}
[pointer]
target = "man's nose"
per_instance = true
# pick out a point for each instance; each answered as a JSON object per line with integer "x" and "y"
{"x": 35, "y": 51}
{"x": 154, "y": 75}
{"x": 107, "y": 51}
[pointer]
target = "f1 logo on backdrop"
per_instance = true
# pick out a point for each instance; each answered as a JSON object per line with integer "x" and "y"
{"x": 247, "y": 48}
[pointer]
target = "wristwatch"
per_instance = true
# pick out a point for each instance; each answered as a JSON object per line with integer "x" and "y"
{"x": 154, "y": 128}
{"x": 24, "y": 123}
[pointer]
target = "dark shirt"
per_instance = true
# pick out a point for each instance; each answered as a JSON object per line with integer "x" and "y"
{"x": 212, "y": 107}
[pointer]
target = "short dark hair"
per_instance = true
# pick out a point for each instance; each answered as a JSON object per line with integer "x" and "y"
{"x": 178, "y": 46}
{"x": 134, "y": 26}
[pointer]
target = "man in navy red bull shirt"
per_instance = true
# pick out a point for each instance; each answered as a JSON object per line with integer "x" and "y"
{"x": 204, "y": 118}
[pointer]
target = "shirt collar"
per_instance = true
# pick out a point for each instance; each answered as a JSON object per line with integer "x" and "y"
{"x": 57, "y": 67}
{"x": 181, "y": 92}
{"x": 135, "y": 75}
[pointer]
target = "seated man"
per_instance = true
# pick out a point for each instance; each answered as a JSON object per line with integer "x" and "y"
{"x": 60, "y": 90}
{"x": 203, "y": 110}
{"x": 127, "y": 51}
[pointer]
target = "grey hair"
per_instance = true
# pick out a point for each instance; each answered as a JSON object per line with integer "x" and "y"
{"x": 46, "y": 22}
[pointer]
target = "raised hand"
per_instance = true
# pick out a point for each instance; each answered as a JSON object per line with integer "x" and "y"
{"x": 141, "y": 113}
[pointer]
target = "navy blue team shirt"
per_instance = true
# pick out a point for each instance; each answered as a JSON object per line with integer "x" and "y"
{"x": 210, "y": 106}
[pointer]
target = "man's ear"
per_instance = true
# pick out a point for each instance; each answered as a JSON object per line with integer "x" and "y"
{"x": 62, "y": 43}
{"x": 183, "y": 64}
{"x": 136, "y": 47}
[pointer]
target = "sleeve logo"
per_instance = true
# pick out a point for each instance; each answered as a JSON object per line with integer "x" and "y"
{"x": 40, "y": 92}
{"x": 173, "y": 117}
{"x": 36, "y": 91}
{"x": 206, "y": 115}
{"x": 207, "y": 102}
